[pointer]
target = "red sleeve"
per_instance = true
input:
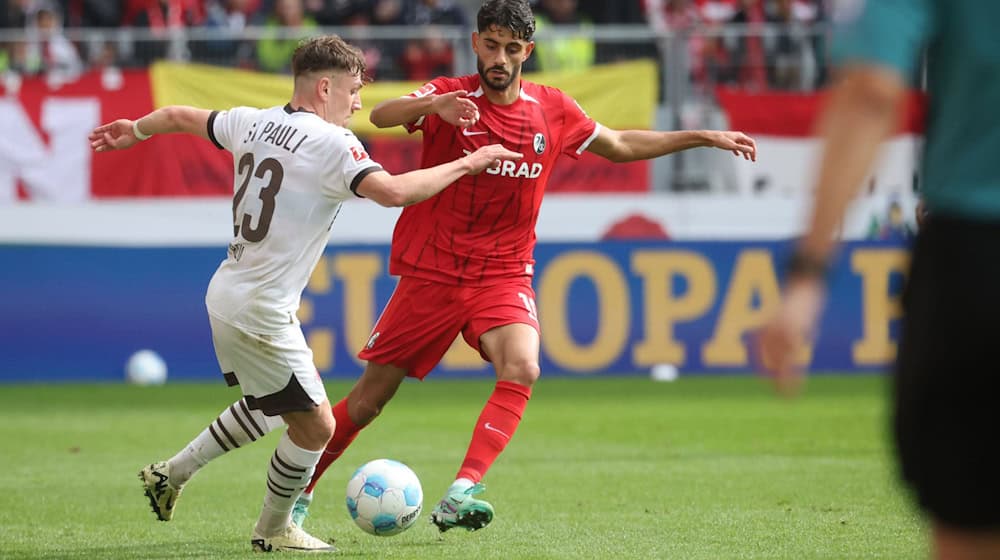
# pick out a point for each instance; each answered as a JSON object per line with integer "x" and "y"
{"x": 436, "y": 86}
{"x": 579, "y": 130}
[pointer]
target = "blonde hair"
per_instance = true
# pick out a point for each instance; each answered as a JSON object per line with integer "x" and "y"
{"x": 325, "y": 53}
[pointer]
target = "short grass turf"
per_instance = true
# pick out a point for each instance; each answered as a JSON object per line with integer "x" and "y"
{"x": 701, "y": 468}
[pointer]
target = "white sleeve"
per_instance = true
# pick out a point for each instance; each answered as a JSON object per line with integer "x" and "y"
{"x": 226, "y": 128}
{"x": 349, "y": 164}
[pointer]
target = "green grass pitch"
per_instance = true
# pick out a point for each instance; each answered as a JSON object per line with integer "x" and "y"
{"x": 701, "y": 468}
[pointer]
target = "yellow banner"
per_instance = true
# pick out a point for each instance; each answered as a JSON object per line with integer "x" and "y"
{"x": 620, "y": 96}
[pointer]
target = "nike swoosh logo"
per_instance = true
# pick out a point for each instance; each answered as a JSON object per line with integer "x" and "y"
{"x": 467, "y": 132}
{"x": 492, "y": 429}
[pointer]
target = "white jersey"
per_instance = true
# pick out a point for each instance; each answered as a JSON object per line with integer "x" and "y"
{"x": 292, "y": 172}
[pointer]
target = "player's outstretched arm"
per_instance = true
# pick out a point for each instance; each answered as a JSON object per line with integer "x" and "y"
{"x": 632, "y": 145}
{"x": 861, "y": 112}
{"x": 453, "y": 107}
{"x": 415, "y": 186}
{"x": 125, "y": 133}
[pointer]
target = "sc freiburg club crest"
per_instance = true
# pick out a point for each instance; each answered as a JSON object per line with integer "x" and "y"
{"x": 539, "y": 143}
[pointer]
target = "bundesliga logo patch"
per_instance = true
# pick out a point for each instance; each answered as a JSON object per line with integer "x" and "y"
{"x": 427, "y": 89}
{"x": 359, "y": 153}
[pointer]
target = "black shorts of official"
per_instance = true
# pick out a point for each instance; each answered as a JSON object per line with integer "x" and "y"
{"x": 947, "y": 380}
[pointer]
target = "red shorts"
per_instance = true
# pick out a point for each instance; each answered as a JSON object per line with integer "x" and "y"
{"x": 423, "y": 318}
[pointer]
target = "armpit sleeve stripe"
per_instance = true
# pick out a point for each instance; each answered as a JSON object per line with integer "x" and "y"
{"x": 211, "y": 130}
{"x": 360, "y": 176}
{"x": 597, "y": 130}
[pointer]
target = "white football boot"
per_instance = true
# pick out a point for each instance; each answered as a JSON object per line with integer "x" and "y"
{"x": 162, "y": 495}
{"x": 292, "y": 539}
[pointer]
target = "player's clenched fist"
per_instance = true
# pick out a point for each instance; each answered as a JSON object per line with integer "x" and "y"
{"x": 490, "y": 156}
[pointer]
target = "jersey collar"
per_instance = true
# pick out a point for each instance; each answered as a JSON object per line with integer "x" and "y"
{"x": 288, "y": 109}
{"x": 522, "y": 94}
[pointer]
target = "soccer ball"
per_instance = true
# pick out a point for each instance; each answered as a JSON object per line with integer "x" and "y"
{"x": 384, "y": 497}
{"x": 146, "y": 367}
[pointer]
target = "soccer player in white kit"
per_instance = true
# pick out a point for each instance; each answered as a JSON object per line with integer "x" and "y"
{"x": 294, "y": 166}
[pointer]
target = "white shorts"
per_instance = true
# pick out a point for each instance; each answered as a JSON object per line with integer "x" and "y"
{"x": 275, "y": 371}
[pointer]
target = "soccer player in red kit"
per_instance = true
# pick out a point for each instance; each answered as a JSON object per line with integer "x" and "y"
{"x": 464, "y": 256}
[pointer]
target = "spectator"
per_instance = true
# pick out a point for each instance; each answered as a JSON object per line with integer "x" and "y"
{"x": 161, "y": 15}
{"x": 677, "y": 17}
{"x": 434, "y": 12}
{"x": 431, "y": 56}
{"x": 671, "y": 15}
{"x": 716, "y": 65}
{"x": 571, "y": 53}
{"x": 819, "y": 41}
{"x": 380, "y": 56}
{"x": 48, "y": 50}
{"x": 98, "y": 50}
{"x": 425, "y": 58}
{"x": 161, "y": 18}
{"x": 93, "y": 13}
{"x": 228, "y": 19}
{"x": 622, "y": 12}
{"x": 794, "y": 65}
{"x": 748, "y": 53}
{"x": 13, "y": 15}
{"x": 344, "y": 12}
{"x": 274, "y": 50}
{"x": 387, "y": 12}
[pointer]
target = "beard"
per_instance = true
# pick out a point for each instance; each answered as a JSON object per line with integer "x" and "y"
{"x": 494, "y": 83}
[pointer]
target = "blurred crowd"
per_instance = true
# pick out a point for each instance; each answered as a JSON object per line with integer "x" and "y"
{"x": 752, "y": 44}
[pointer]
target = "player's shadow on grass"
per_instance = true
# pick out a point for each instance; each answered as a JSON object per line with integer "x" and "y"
{"x": 358, "y": 549}
{"x": 159, "y": 550}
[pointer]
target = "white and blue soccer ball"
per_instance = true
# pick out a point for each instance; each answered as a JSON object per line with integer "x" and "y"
{"x": 384, "y": 497}
{"x": 146, "y": 367}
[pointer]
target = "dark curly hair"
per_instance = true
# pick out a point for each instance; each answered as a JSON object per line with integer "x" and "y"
{"x": 508, "y": 14}
{"x": 328, "y": 52}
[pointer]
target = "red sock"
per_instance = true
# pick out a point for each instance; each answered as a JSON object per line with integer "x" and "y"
{"x": 493, "y": 430}
{"x": 343, "y": 435}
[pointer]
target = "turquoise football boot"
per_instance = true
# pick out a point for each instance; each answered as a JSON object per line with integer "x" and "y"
{"x": 460, "y": 509}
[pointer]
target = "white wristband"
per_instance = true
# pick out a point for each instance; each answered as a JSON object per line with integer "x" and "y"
{"x": 138, "y": 133}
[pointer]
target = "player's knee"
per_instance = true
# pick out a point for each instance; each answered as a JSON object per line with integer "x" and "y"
{"x": 523, "y": 373}
{"x": 321, "y": 430}
{"x": 311, "y": 431}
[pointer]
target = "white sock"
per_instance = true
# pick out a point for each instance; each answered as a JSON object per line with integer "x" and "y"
{"x": 461, "y": 484}
{"x": 288, "y": 474}
{"x": 235, "y": 427}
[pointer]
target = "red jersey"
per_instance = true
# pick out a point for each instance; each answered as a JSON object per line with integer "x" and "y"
{"x": 481, "y": 229}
